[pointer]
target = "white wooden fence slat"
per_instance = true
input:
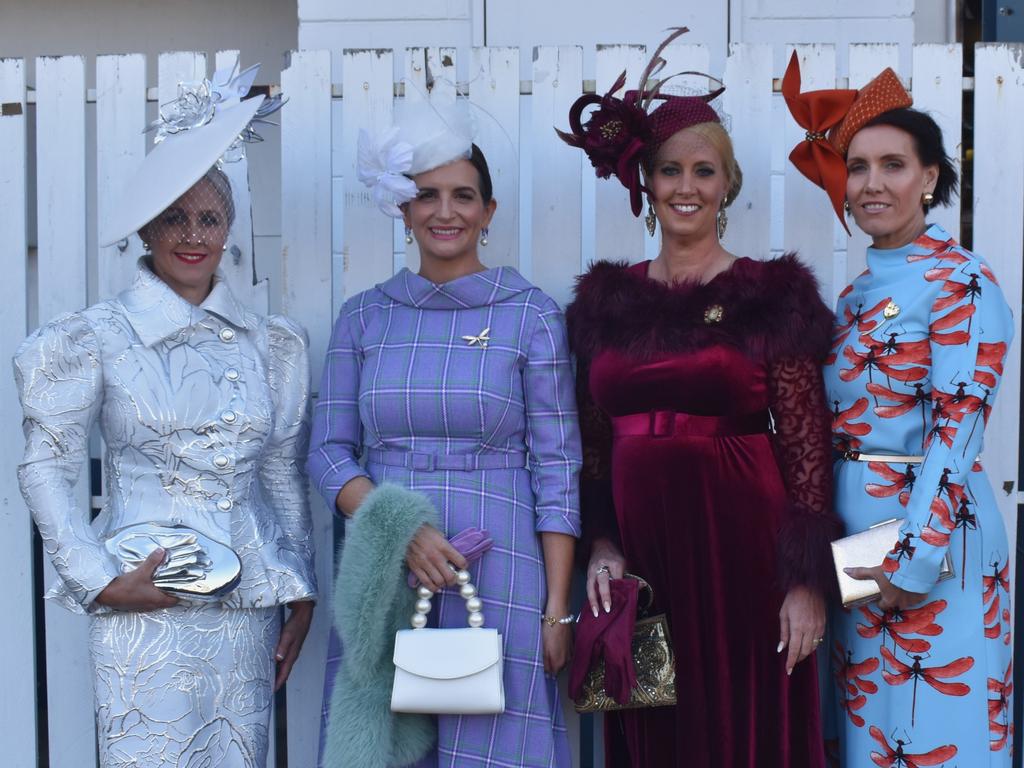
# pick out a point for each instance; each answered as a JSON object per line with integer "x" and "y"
{"x": 748, "y": 104}
{"x": 998, "y": 202}
{"x": 238, "y": 260}
{"x": 368, "y": 238}
{"x": 808, "y": 217}
{"x": 937, "y": 91}
{"x": 494, "y": 92}
{"x": 18, "y": 704}
{"x": 429, "y": 77}
{"x": 617, "y": 233}
{"x": 61, "y": 200}
{"x": 306, "y": 283}
{"x": 177, "y": 67}
{"x": 866, "y": 61}
{"x": 120, "y": 148}
{"x": 555, "y": 211}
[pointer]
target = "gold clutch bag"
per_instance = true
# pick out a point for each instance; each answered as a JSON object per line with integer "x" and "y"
{"x": 654, "y": 662}
{"x": 869, "y": 548}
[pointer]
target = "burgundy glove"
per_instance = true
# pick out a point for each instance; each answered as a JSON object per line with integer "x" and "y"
{"x": 608, "y": 636}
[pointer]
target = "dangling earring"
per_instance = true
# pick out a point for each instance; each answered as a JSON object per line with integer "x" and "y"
{"x": 483, "y": 236}
{"x": 224, "y": 247}
{"x": 650, "y": 220}
{"x": 145, "y": 246}
{"x": 723, "y": 222}
{"x": 927, "y": 199}
{"x": 408, "y": 235}
{"x": 846, "y": 207}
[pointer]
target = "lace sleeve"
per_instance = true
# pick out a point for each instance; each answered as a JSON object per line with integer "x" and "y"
{"x": 803, "y": 450}
{"x": 596, "y": 506}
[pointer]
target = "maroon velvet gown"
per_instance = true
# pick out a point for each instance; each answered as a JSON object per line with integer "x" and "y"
{"x": 679, "y": 390}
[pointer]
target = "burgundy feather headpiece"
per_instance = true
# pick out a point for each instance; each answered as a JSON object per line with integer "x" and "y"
{"x": 621, "y": 133}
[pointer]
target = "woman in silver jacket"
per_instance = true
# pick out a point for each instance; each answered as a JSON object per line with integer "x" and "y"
{"x": 202, "y": 406}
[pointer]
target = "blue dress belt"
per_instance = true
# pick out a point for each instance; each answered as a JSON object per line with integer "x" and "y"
{"x": 459, "y": 462}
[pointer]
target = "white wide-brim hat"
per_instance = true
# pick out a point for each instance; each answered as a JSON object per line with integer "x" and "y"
{"x": 172, "y": 167}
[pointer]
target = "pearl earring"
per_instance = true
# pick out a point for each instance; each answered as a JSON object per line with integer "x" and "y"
{"x": 483, "y": 236}
{"x": 408, "y": 235}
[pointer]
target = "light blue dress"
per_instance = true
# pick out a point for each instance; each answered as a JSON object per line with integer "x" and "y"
{"x": 917, "y": 355}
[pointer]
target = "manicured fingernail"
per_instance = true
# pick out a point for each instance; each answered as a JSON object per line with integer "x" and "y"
{"x": 279, "y": 657}
{"x": 782, "y": 644}
{"x": 789, "y": 671}
{"x": 594, "y": 609}
{"x": 607, "y": 607}
{"x": 847, "y": 570}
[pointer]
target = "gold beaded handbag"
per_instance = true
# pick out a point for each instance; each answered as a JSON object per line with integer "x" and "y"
{"x": 652, "y": 657}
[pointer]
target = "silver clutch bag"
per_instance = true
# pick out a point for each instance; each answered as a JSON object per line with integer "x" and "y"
{"x": 865, "y": 549}
{"x": 196, "y": 567}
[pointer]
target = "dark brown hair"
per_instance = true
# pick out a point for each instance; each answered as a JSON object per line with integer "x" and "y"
{"x": 930, "y": 149}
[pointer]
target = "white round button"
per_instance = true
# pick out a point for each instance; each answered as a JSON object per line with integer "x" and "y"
{"x": 225, "y": 505}
{"x": 231, "y": 374}
{"x": 220, "y": 461}
{"x": 228, "y": 417}
{"x": 226, "y": 334}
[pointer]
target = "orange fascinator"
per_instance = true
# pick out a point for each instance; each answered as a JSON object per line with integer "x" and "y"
{"x": 831, "y": 118}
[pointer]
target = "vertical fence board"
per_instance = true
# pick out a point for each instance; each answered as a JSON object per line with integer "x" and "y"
{"x": 555, "y": 210}
{"x": 807, "y": 216}
{"x": 61, "y": 200}
{"x": 306, "y": 283}
{"x": 178, "y": 67}
{"x": 368, "y": 238}
{"x": 748, "y": 104}
{"x": 494, "y": 92}
{"x": 618, "y": 234}
{"x": 238, "y": 261}
{"x": 998, "y": 203}
{"x": 866, "y": 61}
{"x": 937, "y": 81}
{"x": 429, "y": 77}
{"x": 18, "y": 704}
{"x": 120, "y": 148}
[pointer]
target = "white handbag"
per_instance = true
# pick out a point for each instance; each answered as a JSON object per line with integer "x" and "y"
{"x": 448, "y": 671}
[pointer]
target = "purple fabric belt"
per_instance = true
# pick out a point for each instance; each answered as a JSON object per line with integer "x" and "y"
{"x": 668, "y": 423}
{"x": 459, "y": 462}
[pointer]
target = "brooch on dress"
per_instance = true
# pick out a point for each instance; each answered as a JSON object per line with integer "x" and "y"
{"x": 891, "y": 310}
{"x": 714, "y": 314}
{"x": 480, "y": 339}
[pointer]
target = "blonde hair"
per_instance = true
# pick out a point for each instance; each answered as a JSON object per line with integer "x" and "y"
{"x": 715, "y": 135}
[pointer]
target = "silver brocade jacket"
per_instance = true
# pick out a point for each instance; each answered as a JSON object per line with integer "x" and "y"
{"x": 204, "y": 413}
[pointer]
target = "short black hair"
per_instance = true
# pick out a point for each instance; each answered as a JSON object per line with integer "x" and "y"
{"x": 928, "y": 143}
{"x": 478, "y": 161}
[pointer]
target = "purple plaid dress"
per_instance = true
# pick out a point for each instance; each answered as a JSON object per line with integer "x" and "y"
{"x": 475, "y": 373}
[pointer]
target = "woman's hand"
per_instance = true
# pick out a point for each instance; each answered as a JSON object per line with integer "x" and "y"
{"x": 557, "y": 642}
{"x": 293, "y": 635}
{"x": 135, "y": 591}
{"x": 606, "y": 563}
{"x": 892, "y": 596}
{"x": 428, "y": 556}
{"x": 801, "y": 624}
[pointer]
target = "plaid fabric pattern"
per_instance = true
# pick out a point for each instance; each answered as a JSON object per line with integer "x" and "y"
{"x": 404, "y": 373}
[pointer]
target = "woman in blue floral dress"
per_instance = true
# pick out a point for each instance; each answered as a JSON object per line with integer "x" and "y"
{"x": 923, "y": 676}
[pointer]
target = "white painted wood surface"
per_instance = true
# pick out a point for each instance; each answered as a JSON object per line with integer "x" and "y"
{"x": 18, "y": 703}
{"x": 541, "y": 186}
{"x": 60, "y": 199}
{"x": 998, "y": 203}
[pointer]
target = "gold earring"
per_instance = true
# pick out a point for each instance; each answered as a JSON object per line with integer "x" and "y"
{"x": 650, "y": 220}
{"x": 408, "y": 235}
{"x": 723, "y": 222}
{"x": 927, "y": 198}
{"x": 846, "y": 207}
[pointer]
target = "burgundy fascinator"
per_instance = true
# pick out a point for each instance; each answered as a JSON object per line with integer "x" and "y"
{"x": 621, "y": 133}
{"x": 831, "y": 118}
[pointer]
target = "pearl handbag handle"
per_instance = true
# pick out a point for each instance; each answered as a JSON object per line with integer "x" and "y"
{"x": 468, "y": 592}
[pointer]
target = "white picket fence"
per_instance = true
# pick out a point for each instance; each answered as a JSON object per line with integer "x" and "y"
{"x": 553, "y": 219}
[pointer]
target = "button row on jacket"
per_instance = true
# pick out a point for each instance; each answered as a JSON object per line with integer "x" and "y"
{"x": 228, "y": 417}
{"x": 226, "y": 335}
{"x": 231, "y": 374}
{"x": 220, "y": 461}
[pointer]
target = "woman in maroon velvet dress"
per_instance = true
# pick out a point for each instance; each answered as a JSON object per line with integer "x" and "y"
{"x": 706, "y": 449}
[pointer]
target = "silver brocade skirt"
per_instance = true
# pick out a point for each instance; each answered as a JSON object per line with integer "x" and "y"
{"x": 187, "y": 686}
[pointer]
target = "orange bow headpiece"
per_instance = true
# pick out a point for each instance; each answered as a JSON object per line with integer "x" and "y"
{"x": 831, "y": 118}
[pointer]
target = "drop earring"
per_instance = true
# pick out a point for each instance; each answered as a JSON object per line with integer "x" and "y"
{"x": 722, "y": 221}
{"x": 650, "y": 220}
{"x": 846, "y": 207}
{"x": 483, "y": 236}
{"x": 408, "y": 235}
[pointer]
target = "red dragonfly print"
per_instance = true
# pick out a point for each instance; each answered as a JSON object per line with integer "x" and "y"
{"x": 941, "y": 249}
{"x": 863, "y": 319}
{"x": 898, "y": 757}
{"x": 843, "y": 421}
{"x": 904, "y": 403}
{"x": 903, "y": 549}
{"x": 941, "y": 427}
{"x": 995, "y": 613}
{"x": 897, "y": 624}
{"x": 872, "y": 359}
{"x": 990, "y": 355}
{"x": 952, "y": 319}
{"x": 938, "y": 537}
{"x": 899, "y": 482}
{"x": 955, "y": 291}
{"x": 849, "y": 676}
{"x": 901, "y": 673}
{"x": 999, "y": 726}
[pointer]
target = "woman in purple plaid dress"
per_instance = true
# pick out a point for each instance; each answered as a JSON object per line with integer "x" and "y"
{"x": 456, "y": 382}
